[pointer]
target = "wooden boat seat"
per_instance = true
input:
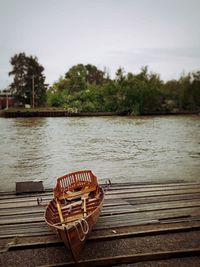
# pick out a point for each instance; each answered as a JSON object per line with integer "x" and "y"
{"x": 74, "y": 185}
{"x": 78, "y": 203}
{"x": 71, "y": 195}
{"x": 70, "y": 220}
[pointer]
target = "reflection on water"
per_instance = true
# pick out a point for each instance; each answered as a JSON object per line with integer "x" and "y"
{"x": 119, "y": 148}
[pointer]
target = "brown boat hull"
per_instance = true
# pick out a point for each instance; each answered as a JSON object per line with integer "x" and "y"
{"x": 74, "y": 236}
{"x": 71, "y": 238}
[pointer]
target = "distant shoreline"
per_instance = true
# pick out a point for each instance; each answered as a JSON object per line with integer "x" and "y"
{"x": 63, "y": 113}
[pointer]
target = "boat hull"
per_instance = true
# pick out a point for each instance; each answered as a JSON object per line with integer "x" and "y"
{"x": 75, "y": 234}
{"x": 71, "y": 238}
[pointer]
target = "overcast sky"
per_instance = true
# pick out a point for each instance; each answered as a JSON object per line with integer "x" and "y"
{"x": 165, "y": 35}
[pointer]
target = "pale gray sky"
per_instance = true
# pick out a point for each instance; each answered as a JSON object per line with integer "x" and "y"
{"x": 165, "y": 35}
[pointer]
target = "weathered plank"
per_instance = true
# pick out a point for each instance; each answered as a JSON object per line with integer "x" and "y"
{"x": 144, "y": 211}
{"x": 133, "y": 258}
{"x": 137, "y": 189}
{"x": 113, "y": 189}
{"x": 155, "y": 193}
{"x": 110, "y": 235}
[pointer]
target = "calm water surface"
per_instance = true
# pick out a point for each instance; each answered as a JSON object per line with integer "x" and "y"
{"x": 119, "y": 148}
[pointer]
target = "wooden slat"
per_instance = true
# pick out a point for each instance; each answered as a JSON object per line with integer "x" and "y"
{"x": 133, "y": 258}
{"x": 154, "y": 206}
{"x": 116, "y": 235}
{"x": 159, "y": 199}
{"x": 112, "y": 189}
{"x": 136, "y": 202}
{"x": 155, "y": 193}
{"x": 127, "y": 187}
{"x": 33, "y": 202}
{"x": 151, "y": 188}
{"x": 185, "y": 208}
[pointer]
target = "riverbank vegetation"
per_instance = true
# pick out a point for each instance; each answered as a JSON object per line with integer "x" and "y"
{"x": 85, "y": 88}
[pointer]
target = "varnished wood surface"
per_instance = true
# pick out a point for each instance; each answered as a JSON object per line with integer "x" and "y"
{"x": 130, "y": 212}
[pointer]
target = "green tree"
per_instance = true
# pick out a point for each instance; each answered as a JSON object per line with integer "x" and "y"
{"x": 133, "y": 89}
{"x": 28, "y": 85}
{"x": 76, "y": 77}
{"x": 120, "y": 75}
{"x": 61, "y": 85}
{"x": 80, "y": 76}
{"x": 185, "y": 94}
{"x": 138, "y": 93}
{"x": 152, "y": 97}
{"x": 195, "y": 88}
{"x": 94, "y": 75}
{"x": 110, "y": 97}
{"x": 86, "y": 88}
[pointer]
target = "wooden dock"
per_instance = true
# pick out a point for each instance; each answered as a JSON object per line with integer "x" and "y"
{"x": 155, "y": 224}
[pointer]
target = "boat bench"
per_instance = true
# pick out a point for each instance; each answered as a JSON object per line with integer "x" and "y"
{"x": 74, "y": 185}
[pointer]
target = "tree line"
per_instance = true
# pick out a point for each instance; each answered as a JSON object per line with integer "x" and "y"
{"x": 85, "y": 88}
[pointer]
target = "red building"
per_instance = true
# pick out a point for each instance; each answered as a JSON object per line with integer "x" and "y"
{"x": 6, "y": 100}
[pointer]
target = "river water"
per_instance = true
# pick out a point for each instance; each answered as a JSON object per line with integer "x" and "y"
{"x": 136, "y": 149}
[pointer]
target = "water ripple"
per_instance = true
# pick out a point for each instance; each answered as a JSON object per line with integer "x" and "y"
{"x": 118, "y": 148}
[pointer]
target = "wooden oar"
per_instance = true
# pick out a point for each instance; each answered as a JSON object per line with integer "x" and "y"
{"x": 84, "y": 198}
{"x": 59, "y": 212}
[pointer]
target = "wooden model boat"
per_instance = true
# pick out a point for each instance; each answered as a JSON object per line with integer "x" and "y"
{"x": 75, "y": 209}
